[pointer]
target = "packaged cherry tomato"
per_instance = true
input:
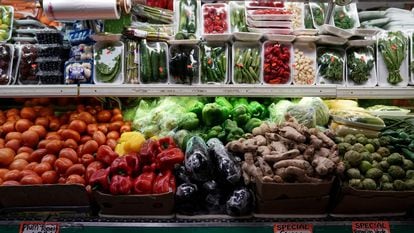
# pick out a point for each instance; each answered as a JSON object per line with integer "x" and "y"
{"x": 277, "y": 62}
{"x": 216, "y": 19}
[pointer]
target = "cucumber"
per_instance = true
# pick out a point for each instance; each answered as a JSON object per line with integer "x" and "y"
{"x": 163, "y": 65}
{"x": 145, "y": 63}
{"x": 155, "y": 65}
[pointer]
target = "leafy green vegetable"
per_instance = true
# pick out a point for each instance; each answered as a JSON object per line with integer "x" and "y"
{"x": 318, "y": 13}
{"x": 360, "y": 62}
{"x": 331, "y": 64}
{"x": 393, "y": 48}
{"x": 342, "y": 19}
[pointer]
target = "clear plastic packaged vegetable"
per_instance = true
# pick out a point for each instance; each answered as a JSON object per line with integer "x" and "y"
{"x": 393, "y": 59}
{"x": 361, "y": 66}
{"x": 342, "y": 130}
{"x": 298, "y": 11}
{"x": 331, "y": 65}
{"x": 81, "y": 52}
{"x": 308, "y": 20}
{"x": 277, "y": 60}
{"x": 270, "y": 14}
{"x": 109, "y": 62}
{"x": 214, "y": 63}
{"x": 132, "y": 62}
{"x": 187, "y": 15}
{"x": 362, "y": 119}
{"x": 238, "y": 16}
{"x": 346, "y": 17}
{"x": 383, "y": 110}
{"x": 215, "y": 18}
{"x": 184, "y": 64}
{"x": 77, "y": 72}
{"x": 246, "y": 63}
{"x": 304, "y": 63}
{"x": 6, "y": 64}
{"x": 6, "y": 26}
{"x": 318, "y": 11}
{"x": 264, "y": 4}
{"x": 153, "y": 62}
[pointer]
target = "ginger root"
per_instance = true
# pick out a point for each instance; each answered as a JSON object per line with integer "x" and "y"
{"x": 325, "y": 139}
{"x": 323, "y": 165}
{"x": 300, "y": 175}
{"x": 302, "y": 164}
{"x": 276, "y": 157}
{"x": 292, "y": 134}
{"x": 250, "y": 171}
{"x": 263, "y": 150}
{"x": 266, "y": 169}
{"x": 261, "y": 130}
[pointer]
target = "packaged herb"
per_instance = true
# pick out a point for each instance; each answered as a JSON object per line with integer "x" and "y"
{"x": 346, "y": 17}
{"x": 360, "y": 63}
{"x": 331, "y": 65}
{"x": 318, "y": 11}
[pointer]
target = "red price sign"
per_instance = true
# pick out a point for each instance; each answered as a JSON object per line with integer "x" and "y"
{"x": 293, "y": 227}
{"x": 371, "y": 227}
{"x": 39, "y": 227}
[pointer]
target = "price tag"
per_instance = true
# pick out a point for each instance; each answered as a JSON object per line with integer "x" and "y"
{"x": 293, "y": 228}
{"x": 39, "y": 227}
{"x": 371, "y": 227}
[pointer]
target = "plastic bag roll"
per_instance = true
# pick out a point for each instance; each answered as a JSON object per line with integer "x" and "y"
{"x": 81, "y": 9}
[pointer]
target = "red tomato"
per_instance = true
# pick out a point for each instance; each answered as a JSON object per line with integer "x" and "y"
{"x": 62, "y": 165}
{"x": 75, "y": 179}
{"x": 50, "y": 177}
{"x": 70, "y": 154}
{"x": 31, "y": 179}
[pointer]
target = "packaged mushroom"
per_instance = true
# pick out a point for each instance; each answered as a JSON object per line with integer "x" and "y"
{"x": 78, "y": 72}
{"x": 304, "y": 64}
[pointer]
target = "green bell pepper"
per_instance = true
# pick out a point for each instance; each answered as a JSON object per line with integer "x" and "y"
{"x": 258, "y": 110}
{"x": 240, "y": 112}
{"x": 251, "y": 124}
{"x": 189, "y": 121}
{"x": 217, "y": 112}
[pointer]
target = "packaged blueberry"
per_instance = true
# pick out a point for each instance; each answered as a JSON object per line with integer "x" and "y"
{"x": 45, "y": 64}
{"x": 50, "y": 51}
{"x": 50, "y": 77}
{"x": 78, "y": 72}
{"x": 27, "y": 67}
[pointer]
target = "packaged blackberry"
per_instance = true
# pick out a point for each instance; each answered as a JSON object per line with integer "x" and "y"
{"x": 49, "y": 64}
{"x": 78, "y": 72}
{"x": 50, "y": 77}
{"x": 50, "y": 50}
{"x": 27, "y": 66}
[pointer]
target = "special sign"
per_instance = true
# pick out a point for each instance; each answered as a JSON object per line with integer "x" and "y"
{"x": 293, "y": 228}
{"x": 371, "y": 227}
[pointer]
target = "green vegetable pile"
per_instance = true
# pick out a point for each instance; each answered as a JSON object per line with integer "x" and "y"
{"x": 153, "y": 64}
{"x": 399, "y": 134}
{"x": 331, "y": 64}
{"x": 342, "y": 19}
{"x": 247, "y": 65}
{"x": 360, "y": 62}
{"x": 213, "y": 64}
{"x": 393, "y": 48}
{"x": 107, "y": 71}
{"x": 371, "y": 165}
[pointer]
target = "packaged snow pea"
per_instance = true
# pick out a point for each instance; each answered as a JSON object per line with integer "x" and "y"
{"x": 214, "y": 62}
{"x": 246, "y": 63}
{"x": 361, "y": 66}
{"x": 331, "y": 65}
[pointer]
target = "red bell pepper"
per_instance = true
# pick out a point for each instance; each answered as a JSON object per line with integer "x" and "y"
{"x": 168, "y": 158}
{"x": 164, "y": 183}
{"x": 106, "y": 155}
{"x": 149, "y": 151}
{"x": 144, "y": 183}
{"x": 92, "y": 168}
{"x": 166, "y": 143}
{"x": 120, "y": 185}
{"x": 126, "y": 165}
{"x": 100, "y": 180}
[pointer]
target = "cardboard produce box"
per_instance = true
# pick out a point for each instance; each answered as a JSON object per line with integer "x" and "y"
{"x": 47, "y": 196}
{"x": 293, "y": 198}
{"x": 373, "y": 203}
{"x": 148, "y": 205}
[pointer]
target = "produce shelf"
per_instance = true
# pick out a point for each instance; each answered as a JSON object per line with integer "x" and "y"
{"x": 206, "y": 90}
{"x": 376, "y": 92}
{"x": 38, "y": 91}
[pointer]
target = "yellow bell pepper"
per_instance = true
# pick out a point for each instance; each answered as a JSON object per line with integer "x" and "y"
{"x": 130, "y": 142}
{"x": 120, "y": 149}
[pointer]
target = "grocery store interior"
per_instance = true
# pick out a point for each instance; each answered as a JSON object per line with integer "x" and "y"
{"x": 206, "y": 116}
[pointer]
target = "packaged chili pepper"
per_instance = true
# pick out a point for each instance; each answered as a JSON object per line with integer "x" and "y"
{"x": 277, "y": 63}
{"x": 215, "y": 18}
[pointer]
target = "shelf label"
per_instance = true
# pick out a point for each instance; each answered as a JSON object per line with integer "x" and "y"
{"x": 39, "y": 227}
{"x": 371, "y": 227}
{"x": 293, "y": 228}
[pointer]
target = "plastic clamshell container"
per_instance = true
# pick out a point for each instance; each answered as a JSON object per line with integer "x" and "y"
{"x": 331, "y": 40}
{"x": 352, "y": 11}
{"x": 246, "y": 45}
{"x": 22, "y": 78}
{"x": 75, "y": 72}
{"x": 226, "y": 54}
{"x": 313, "y": 6}
{"x": 9, "y": 70}
{"x": 306, "y": 38}
{"x": 298, "y": 20}
{"x": 361, "y": 43}
{"x": 155, "y": 46}
{"x": 329, "y": 29}
{"x": 283, "y": 31}
{"x": 119, "y": 51}
{"x": 280, "y": 38}
{"x": 305, "y": 32}
{"x": 219, "y": 7}
{"x": 366, "y": 32}
{"x": 11, "y": 11}
{"x": 179, "y": 48}
{"x": 247, "y": 36}
{"x": 372, "y": 79}
{"x": 270, "y": 17}
{"x": 382, "y": 70}
{"x": 267, "y": 24}
{"x": 309, "y": 50}
{"x": 176, "y": 5}
{"x": 282, "y": 43}
{"x": 321, "y": 80}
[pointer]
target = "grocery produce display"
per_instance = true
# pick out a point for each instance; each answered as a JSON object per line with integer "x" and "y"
{"x": 232, "y": 150}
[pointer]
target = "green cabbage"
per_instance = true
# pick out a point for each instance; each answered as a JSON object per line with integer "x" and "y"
{"x": 278, "y": 110}
{"x": 305, "y": 115}
{"x": 321, "y": 110}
